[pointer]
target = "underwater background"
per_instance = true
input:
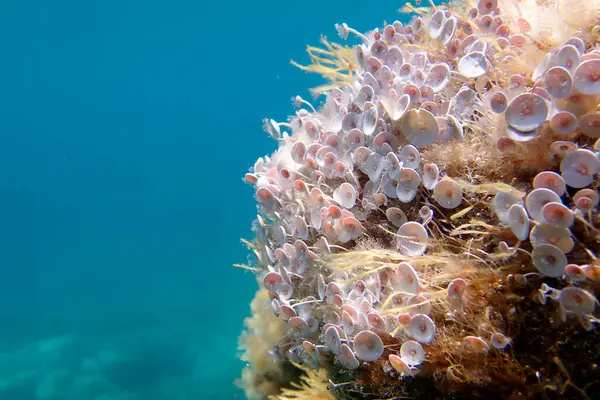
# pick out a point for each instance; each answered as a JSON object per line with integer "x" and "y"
{"x": 125, "y": 129}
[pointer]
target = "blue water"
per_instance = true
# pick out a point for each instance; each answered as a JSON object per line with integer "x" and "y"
{"x": 125, "y": 127}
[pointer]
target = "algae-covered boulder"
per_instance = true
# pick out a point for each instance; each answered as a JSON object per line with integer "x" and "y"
{"x": 431, "y": 228}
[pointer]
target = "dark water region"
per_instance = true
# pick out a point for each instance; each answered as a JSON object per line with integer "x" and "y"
{"x": 125, "y": 128}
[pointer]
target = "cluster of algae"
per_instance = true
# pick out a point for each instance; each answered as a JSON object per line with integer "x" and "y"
{"x": 547, "y": 355}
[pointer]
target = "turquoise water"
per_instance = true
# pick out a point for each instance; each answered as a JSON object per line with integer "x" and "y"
{"x": 125, "y": 128}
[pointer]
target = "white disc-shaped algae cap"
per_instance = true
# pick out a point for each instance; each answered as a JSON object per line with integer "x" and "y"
{"x": 373, "y": 64}
{"x": 408, "y": 184}
{"x": 299, "y": 152}
{"x": 369, "y": 79}
{"x": 361, "y": 154}
{"x": 412, "y": 353}
{"x": 502, "y": 203}
{"x": 412, "y": 239}
{"x": 542, "y": 67}
{"x": 388, "y": 186}
{"x": 544, "y": 233}
{"x": 577, "y": 103}
{"x": 298, "y": 326}
{"x": 575, "y": 273}
{"x": 526, "y": 112}
{"x": 342, "y": 30}
{"x": 398, "y": 364}
{"x": 487, "y": 6}
{"x": 380, "y": 200}
{"x": 368, "y": 346}
{"x": 519, "y": 136}
{"x": 412, "y": 89}
{"x": 404, "y": 72}
{"x": 347, "y": 358}
{"x": 542, "y": 92}
{"x": 321, "y": 286}
{"x": 563, "y": 122}
{"x": 370, "y": 121}
{"x": 516, "y": 82}
{"x": 431, "y": 106}
{"x": 351, "y": 229}
{"x": 394, "y": 57}
{"x": 578, "y": 43}
{"x": 417, "y": 78}
{"x": 473, "y": 65}
{"x": 379, "y": 49}
{"x": 272, "y": 281}
{"x": 399, "y": 108}
{"x": 266, "y": 198}
{"x": 276, "y": 307}
{"x": 394, "y": 165}
{"x": 450, "y": 128}
{"x": 365, "y": 94}
{"x": 436, "y": 24}
{"x": 577, "y": 300}
{"x": 410, "y": 157}
{"x": 453, "y": 47}
{"x": 456, "y": 289}
{"x": 447, "y": 193}
{"x": 557, "y": 214}
{"x": 376, "y": 322}
{"x": 373, "y": 167}
{"x": 589, "y": 124}
{"x": 519, "y": 221}
{"x": 465, "y": 101}
{"x": 332, "y": 340}
{"x": 498, "y": 102}
{"x": 523, "y": 24}
{"x": 505, "y": 144}
{"x": 419, "y": 127}
{"x": 561, "y": 148}
{"x": 345, "y": 194}
{"x": 396, "y": 216}
{"x": 317, "y": 197}
{"x": 355, "y": 139}
{"x": 301, "y": 227}
{"x": 419, "y": 304}
{"x": 579, "y": 167}
{"x": 287, "y": 312}
{"x": 426, "y": 214}
{"x": 311, "y": 350}
{"x": 550, "y": 180}
{"x": 587, "y": 77}
{"x": 499, "y": 341}
{"x": 566, "y": 56}
{"x": 448, "y": 30}
{"x": 479, "y": 46}
{"x": 335, "y": 123}
{"x": 347, "y": 322}
{"x": 385, "y": 77}
{"x": 285, "y": 290}
{"x": 350, "y": 121}
{"x": 538, "y": 198}
{"x": 476, "y": 344}
{"x": 405, "y": 279}
{"x": 558, "y": 82}
{"x": 586, "y": 199}
{"x": 438, "y": 77}
{"x": 549, "y": 260}
{"x": 422, "y": 328}
{"x": 431, "y": 175}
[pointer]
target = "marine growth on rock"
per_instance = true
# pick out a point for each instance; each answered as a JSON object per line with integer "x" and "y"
{"x": 430, "y": 229}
